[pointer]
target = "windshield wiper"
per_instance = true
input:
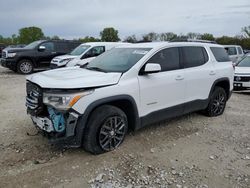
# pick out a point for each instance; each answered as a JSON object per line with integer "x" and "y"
{"x": 96, "y": 69}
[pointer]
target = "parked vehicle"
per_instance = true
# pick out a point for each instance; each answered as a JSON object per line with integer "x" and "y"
{"x": 246, "y": 51}
{"x": 235, "y": 52}
{"x": 2, "y": 46}
{"x": 83, "y": 54}
{"x": 242, "y": 74}
{"x": 128, "y": 87}
{"x": 38, "y": 54}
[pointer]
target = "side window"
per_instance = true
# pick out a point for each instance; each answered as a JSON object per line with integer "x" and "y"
{"x": 95, "y": 51}
{"x": 49, "y": 46}
{"x": 239, "y": 50}
{"x": 231, "y": 50}
{"x": 62, "y": 47}
{"x": 167, "y": 58}
{"x": 194, "y": 56}
{"x": 220, "y": 54}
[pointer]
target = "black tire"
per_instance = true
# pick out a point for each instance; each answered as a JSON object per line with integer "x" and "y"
{"x": 100, "y": 136}
{"x": 25, "y": 66}
{"x": 217, "y": 102}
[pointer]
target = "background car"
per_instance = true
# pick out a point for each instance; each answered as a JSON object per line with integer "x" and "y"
{"x": 2, "y": 46}
{"x": 83, "y": 54}
{"x": 242, "y": 74}
{"x": 235, "y": 52}
{"x": 36, "y": 55}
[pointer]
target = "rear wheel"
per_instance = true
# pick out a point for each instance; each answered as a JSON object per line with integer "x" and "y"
{"x": 217, "y": 102}
{"x": 106, "y": 129}
{"x": 25, "y": 66}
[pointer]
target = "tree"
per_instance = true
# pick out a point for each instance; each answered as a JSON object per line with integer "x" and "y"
{"x": 89, "y": 39}
{"x": 152, "y": 36}
{"x": 109, "y": 34}
{"x": 191, "y": 35}
{"x": 131, "y": 39}
{"x": 207, "y": 36}
{"x": 246, "y": 31}
{"x": 167, "y": 36}
{"x": 30, "y": 34}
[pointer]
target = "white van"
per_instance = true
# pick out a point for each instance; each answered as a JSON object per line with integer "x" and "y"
{"x": 83, "y": 54}
{"x": 235, "y": 52}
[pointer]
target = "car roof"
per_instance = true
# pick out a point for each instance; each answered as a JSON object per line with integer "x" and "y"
{"x": 103, "y": 43}
{"x": 166, "y": 44}
{"x": 231, "y": 45}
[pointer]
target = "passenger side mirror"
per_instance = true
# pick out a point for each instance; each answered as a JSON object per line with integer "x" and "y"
{"x": 151, "y": 68}
{"x": 42, "y": 48}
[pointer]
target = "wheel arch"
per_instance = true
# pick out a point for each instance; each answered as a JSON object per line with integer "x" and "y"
{"x": 223, "y": 83}
{"x": 125, "y": 102}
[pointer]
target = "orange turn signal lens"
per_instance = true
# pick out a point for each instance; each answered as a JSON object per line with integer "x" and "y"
{"x": 74, "y": 100}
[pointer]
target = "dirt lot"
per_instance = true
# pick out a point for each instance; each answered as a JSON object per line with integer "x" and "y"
{"x": 190, "y": 151}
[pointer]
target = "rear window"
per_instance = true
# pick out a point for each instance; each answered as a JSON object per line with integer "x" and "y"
{"x": 194, "y": 56}
{"x": 220, "y": 54}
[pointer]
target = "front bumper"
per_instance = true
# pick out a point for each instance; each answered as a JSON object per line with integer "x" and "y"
{"x": 55, "y": 66}
{"x": 9, "y": 63}
{"x": 70, "y": 137}
{"x": 241, "y": 85}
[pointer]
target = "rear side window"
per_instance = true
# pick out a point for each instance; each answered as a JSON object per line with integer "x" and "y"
{"x": 194, "y": 56}
{"x": 62, "y": 47}
{"x": 231, "y": 50}
{"x": 167, "y": 58}
{"x": 220, "y": 54}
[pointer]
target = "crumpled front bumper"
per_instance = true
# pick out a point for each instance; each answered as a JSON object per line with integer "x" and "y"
{"x": 69, "y": 137}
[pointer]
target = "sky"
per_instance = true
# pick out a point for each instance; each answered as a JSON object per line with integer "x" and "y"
{"x": 79, "y": 18}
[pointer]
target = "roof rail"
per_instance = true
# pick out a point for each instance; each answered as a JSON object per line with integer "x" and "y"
{"x": 193, "y": 40}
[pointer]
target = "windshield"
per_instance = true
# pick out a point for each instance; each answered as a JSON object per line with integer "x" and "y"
{"x": 79, "y": 50}
{"x": 118, "y": 59}
{"x": 245, "y": 62}
{"x": 33, "y": 45}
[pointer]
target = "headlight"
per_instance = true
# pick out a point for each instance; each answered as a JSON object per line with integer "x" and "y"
{"x": 11, "y": 54}
{"x": 63, "y": 101}
{"x": 65, "y": 61}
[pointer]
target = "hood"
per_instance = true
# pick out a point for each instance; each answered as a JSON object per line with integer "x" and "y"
{"x": 242, "y": 70}
{"x": 13, "y": 50}
{"x": 73, "y": 78}
{"x": 67, "y": 56}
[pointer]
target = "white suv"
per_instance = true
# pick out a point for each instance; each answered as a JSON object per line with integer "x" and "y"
{"x": 235, "y": 52}
{"x": 83, "y": 54}
{"x": 127, "y": 88}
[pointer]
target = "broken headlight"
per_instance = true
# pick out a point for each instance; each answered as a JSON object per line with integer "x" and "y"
{"x": 63, "y": 101}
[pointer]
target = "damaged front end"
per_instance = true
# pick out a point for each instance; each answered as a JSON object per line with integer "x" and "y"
{"x": 59, "y": 125}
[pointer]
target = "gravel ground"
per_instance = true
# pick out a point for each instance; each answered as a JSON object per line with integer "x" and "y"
{"x": 189, "y": 151}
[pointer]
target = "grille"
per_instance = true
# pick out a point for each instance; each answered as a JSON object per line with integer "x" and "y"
{"x": 4, "y": 54}
{"x": 242, "y": 79}
{"x": 33, "y": 98}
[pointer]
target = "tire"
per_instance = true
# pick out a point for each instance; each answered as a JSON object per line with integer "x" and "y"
{"x": 217, "y": 102}
{"x": 25, "y": 66}
{"x": 106, "y": 130}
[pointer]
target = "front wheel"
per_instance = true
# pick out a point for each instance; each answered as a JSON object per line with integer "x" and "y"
{"x": 25, "y": 66}
{"x": 217, "y": 102}
{"x": 106, "y": 129}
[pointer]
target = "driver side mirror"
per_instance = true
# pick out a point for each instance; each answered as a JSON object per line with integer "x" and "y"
{"x": 151, "y": 68}
{"x": 41, "y": 48}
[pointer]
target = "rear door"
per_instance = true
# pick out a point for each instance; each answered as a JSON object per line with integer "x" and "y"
{"x": 163, "y": 91}
{"x": 199, "y": 74}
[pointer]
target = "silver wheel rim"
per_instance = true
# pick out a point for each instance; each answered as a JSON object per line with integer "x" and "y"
{"x": 112, "y": 133}
{"x": 25, "y": 67}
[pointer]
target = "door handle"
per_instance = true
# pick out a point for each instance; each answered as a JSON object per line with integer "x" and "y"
{"x": 212, "y": 73}
{"x": 53, "y": 52}
{"x": 179, "y": 77}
